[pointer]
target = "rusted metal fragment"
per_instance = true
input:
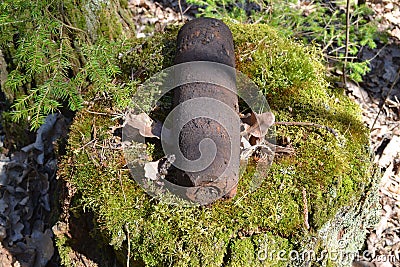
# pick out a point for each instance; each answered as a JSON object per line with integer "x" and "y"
{"x": 207, "y": 39}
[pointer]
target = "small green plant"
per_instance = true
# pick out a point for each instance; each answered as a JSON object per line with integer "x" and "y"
{"x": 40, "y": 56}
{"x": 319, "y": 22}
{"x": 358, "y": 69}
{"x": 222, "y": 9}
{"x": 64, "y": 250}
{"x": 54, "y": 53}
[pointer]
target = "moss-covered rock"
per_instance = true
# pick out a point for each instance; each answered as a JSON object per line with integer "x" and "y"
{"x": 330, "y": 174}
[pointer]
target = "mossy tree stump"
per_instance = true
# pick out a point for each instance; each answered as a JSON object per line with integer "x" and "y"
{"x": 324, "y": 185}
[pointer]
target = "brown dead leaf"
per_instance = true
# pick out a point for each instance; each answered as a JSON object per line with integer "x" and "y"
{"x": 379, "y": 263}
{"x": 395, "y": 32}
{"x": 53, "y": 128}
{"x": 358, "y": 92}
{"x": 257, "y": 124}
{"x": 143, "y": 123}
{"x": 390, "y": 152}
{"x": 43, "y": 245}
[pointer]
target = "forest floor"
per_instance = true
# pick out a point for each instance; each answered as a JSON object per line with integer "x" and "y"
{"x": 379, "y": 97}
{"x": 379, "y": 93}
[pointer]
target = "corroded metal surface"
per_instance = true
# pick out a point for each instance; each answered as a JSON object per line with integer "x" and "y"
{"x": 207, "y": 39}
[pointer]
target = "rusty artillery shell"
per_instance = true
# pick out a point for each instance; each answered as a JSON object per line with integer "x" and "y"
{"x": 207, "y": 39}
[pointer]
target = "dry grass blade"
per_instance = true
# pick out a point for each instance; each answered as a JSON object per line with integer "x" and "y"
{"x": 346, "y": 53}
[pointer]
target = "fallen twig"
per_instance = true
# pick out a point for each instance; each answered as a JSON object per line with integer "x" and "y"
{"x": 305, "y": 210}
{"x": 386, "y": 98}
{"x": 129, "y": 244}
{"x": 180, "y": 10}
{"x": 346, "y": 52}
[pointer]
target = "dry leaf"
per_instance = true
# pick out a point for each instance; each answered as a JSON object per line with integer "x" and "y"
{"x": 151, "y": 170}
{"x": 358, "y": 92}
{"x": 390, "y": 152}
{"x": 53, "y": 128}
{"x": 362, "y": 264}
{"x": 395, "y": 32}
{"x": 244, "y": 143}
{"x": 144, "y": 124}
{"x": 43, "y": 245}
{"x": 6, "y": 258}
{"x": 379, "y": 263}
{"x": 16, "y": 231}
{"x": 257, "y": 124}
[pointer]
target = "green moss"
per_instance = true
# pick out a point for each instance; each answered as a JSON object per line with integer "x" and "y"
{"x": 259, "y": 250}
{"x": 332, "y": 171}
{"x": 64, "y": 250}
